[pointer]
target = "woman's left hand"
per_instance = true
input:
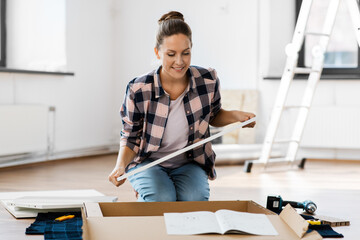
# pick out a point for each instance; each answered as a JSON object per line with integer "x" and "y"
{"x": 244, "y": 116}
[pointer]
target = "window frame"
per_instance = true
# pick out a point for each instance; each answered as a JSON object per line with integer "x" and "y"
{"x": 326, "y": 70}
{"x": 3, "y": 33}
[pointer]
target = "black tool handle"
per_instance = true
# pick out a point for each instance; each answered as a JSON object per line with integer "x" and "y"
{"x": 293, "y": 204}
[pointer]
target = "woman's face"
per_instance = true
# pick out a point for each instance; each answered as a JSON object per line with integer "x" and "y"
{"x": 175, "y": 55}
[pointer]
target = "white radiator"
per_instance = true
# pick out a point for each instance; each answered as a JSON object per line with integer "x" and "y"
{"x": 332, "y": 127}
{"x": 23, "y": 129}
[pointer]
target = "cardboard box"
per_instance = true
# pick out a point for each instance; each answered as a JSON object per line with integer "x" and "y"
{"x": 136, "y": 220}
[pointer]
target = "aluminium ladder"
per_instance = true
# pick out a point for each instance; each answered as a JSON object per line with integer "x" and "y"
{"x": 291, "y": 68}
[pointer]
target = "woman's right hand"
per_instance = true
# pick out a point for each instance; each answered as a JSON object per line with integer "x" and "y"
{"x": 125, "y": 156}
{"x": 117, "y": 172}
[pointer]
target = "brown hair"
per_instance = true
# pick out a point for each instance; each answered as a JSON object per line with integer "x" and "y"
{"x": 169, "y": 24}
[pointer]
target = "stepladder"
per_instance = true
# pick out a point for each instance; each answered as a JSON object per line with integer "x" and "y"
{"x": 314, "y": 73}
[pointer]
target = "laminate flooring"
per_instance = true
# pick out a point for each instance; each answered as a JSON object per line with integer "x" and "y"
{"x": 333, "y": 185}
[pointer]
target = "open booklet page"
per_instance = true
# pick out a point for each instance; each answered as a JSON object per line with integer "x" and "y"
{"x": 191, "y": 223}
{"x": 247, "y": 223}
{"x": 221, "y": 222}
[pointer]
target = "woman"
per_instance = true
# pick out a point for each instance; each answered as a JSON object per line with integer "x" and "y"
{"x": 167, "y": 110}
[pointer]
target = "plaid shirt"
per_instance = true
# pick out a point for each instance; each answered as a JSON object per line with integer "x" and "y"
{"x": 146, "y": 107}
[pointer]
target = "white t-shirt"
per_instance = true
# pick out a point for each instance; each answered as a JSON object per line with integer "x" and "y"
{"x": 175, "y": 135}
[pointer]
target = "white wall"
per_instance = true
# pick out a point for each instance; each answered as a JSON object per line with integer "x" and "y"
{"x": 90, "y": 51}
{"x": 224, "y": 37}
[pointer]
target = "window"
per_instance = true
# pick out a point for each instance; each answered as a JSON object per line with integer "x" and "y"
{"x": 33, "y": 37}
{"x": 343, "y": 55}
{"x": 2, "y": 33}
{"x": 36, "y": 34}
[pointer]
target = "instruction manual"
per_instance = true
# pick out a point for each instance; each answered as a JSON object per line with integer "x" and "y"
{"x": 221, "y": 222}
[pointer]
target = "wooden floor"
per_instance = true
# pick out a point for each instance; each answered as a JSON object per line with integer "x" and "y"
{"x": 333, "y": 186}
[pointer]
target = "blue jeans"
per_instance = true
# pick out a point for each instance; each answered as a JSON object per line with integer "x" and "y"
{"x": 158, "y": 184}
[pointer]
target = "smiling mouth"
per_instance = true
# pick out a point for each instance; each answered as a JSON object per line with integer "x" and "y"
{"x": 178, "y": 68}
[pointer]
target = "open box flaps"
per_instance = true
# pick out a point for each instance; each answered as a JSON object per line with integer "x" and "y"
{"x": 135, "y": 220}
{"x": 294, "y": 221}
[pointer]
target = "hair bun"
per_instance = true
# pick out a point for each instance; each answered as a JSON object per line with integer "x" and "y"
{"x": 171, "y": 15}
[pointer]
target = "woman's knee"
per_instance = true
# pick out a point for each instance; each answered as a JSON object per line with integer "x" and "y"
{"x": 153, "y": 185}
{"x": 191, "y": 183}
{"x": 194, "y": 194}
{"x": 159, "y": 197}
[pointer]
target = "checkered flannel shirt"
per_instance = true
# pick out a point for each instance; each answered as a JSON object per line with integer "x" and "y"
{"x": 145, "y": 111}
